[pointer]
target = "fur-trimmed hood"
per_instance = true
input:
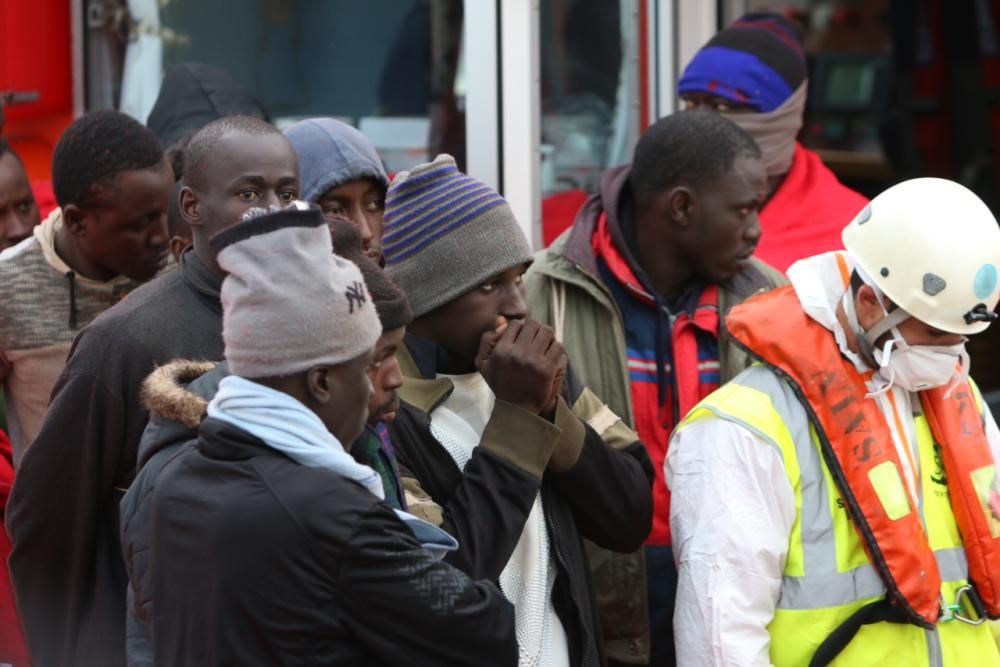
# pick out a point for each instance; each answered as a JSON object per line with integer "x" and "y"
{"x": 177, "y": 396}
{"x": 164, "y": 393}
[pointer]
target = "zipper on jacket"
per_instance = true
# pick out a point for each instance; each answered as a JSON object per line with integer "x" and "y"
{"x": 675, "y": 401}
{"x": 555, "y": 541}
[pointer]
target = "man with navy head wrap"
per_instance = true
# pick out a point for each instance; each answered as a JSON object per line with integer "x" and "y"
{"x": 754, "y": 73}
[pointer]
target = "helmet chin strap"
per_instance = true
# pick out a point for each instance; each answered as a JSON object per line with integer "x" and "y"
{"x": 886, "y": 324}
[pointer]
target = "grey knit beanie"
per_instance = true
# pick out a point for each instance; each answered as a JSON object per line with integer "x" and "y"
{"x": 332, "y": 153}
{"x": 447, "y": 233}
{"x": 289, "y": 304}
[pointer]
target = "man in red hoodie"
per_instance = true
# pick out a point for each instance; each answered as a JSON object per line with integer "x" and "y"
{"x": 754, "y": 74}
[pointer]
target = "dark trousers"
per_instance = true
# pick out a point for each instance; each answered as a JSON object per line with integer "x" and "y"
{"x": 661, "y": 580}
{"x": 661, "y": 583}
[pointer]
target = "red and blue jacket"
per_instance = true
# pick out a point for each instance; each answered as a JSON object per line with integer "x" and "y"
{"x": 673, "y": 357}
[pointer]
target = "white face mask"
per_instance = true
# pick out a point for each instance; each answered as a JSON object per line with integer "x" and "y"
{"x": 911, "y": 367}
{"x": 920, "y": 367}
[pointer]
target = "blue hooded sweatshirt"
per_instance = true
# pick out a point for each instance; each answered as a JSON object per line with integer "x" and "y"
{"x": 332, "y": 153}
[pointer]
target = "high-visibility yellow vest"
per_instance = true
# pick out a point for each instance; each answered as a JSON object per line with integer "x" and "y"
{"x": 828, "y": 575}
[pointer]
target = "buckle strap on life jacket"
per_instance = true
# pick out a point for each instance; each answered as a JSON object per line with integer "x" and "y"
{"x": 874, "y": 612}
{"x": 884, "y": 611}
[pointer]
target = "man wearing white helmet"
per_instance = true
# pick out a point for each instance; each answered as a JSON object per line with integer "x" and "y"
{"x": 837, "y": 502}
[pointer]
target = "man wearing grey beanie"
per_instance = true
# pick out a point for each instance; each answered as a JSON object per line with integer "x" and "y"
{"x": 268, "y": 541}
{"x": 495, "y": 426}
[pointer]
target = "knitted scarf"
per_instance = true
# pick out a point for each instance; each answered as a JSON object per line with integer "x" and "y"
{"x": 528, "y": 578}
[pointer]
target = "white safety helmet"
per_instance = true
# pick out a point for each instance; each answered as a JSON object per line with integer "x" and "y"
{"x": 933, "y": 248}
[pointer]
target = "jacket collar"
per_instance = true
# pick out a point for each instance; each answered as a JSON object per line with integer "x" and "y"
{"x": 176, "y": 396}
{"x": 226, "y": 442}
{"x": 204, "y": 283}
{"x": 418, "y": 362}
{"x": 577, "y": 246}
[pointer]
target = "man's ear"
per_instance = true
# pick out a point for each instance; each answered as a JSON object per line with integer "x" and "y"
{"x": 868, "y": 307}
{"x": 318, "y": 383}
{"x": 190, "y": 206}
{"x": 680, "y": 205}
{"x": 75, "y": 220}
{"x": 178, "y": 244}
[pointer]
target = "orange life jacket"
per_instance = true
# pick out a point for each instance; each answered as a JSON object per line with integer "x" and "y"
{"x": 855, "y": 439}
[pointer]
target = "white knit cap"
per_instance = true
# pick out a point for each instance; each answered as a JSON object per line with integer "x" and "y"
{"x": 289, "y": 304}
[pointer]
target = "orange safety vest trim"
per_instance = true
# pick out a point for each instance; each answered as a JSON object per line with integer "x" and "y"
{"x": 856, "y": 445}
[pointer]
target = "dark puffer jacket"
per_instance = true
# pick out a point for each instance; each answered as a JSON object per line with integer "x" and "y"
{"x": 254, "y": 559}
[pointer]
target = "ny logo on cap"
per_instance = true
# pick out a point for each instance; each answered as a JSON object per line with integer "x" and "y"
{"x": 355, "y": 293}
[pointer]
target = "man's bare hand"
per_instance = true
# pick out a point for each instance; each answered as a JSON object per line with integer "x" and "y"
{"x": 522, "y": 361}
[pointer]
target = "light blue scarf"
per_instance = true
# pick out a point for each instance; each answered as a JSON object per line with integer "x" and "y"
{"x": 284, "y": 424}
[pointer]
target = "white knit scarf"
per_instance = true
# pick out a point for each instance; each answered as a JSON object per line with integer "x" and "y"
{"x": 529, "y": 575}
{"x": 286, "y": 425}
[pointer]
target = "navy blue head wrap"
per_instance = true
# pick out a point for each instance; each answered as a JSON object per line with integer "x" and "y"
{"x": 758, "y": 61}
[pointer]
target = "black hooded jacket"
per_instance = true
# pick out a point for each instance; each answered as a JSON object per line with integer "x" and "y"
{"x": 375, "y": 611}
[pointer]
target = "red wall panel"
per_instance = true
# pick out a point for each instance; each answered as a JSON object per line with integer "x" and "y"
{"x": 36, "y": 54}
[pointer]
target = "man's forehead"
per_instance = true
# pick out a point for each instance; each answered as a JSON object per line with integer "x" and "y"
{"x": 124, "y": 184}
{"x": 363, "y": 185}
{"x": 11, "y": 170}
{"x": 746, "y": 176}
{"x": 704, "y": 97}
{"x": 519, "y": 268}
{"x": 257, "y": 176}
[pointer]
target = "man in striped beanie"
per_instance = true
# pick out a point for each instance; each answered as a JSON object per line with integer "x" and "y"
{"x": 754, "y": 74}
{"x": 493, "y": 424}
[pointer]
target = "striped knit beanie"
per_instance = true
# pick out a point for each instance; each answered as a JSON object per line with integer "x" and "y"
{"x": 758, "y": 61}
{"x": 447, "y": 233}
